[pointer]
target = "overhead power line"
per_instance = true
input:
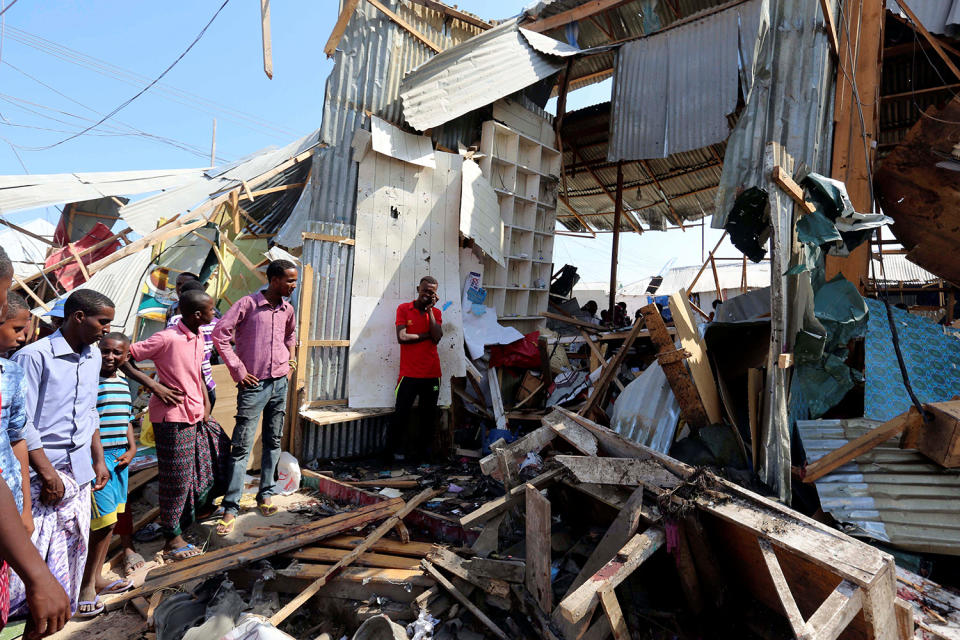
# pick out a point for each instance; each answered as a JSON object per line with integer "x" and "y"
{"x": 172, "y": 93}
{"x": 142, "y": 91}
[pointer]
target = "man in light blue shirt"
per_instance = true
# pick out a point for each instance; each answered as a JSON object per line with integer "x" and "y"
{"x": 61, "y": 374}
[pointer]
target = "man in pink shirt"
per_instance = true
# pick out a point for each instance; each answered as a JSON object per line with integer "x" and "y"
{"x": 262, "y": 328}
{"x": 185, "y": 462}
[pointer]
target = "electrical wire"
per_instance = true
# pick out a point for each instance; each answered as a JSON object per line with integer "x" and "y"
{"x": 115, "y": 72}
{"x": 4, "y": 10}
{"x": 173, "y": 142}
{"x": 139, "y": 93}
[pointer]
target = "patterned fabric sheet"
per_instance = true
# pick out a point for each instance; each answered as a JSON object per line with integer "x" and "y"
{"x": 932, "y": 359}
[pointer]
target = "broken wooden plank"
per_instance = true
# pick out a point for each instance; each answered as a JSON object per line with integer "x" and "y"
{"x": 786, "y": 182}
{"x": 690, "y": 340}
{"x": 858, "y": 446}
{"x": 508, "y": 501}
{"x": 465, "y": 601}
{"x": 836, "y": 612}
{"x": 789, "y": 604}
{"x": 265, "y": 32}
{"x": 349, "y": 6}
{"x": 578, "y": 436}
{"x": 619, "y": 471}
{"x": 496, "y": 398}
{"x": 377, "y": 533}
{"x": 584, "y": 600}
{"x": 391, "y": 483}
{"x": 537, "y": 543}
{"x": 489, "y": 539}
{"x": 451, "y": 562}
{"x": 406, "y": 26}
{"x": 611, "y": 608}
{"x": 623, "y": 527}
{"x": 507, "y": 570}
{"x": 611, "y": 369}
{"x": 243, "y": 553}
{"x": 676, "y": 373}
{"x": 518, "y": 449}
{"x": 368, "y": 559}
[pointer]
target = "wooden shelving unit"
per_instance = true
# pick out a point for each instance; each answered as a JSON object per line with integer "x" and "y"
{"x": 524, "y": 172}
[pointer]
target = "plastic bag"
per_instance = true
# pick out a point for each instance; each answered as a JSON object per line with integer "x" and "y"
{"x": 147, "y": 438}
{"x": 522, "y": 354}
{"x": 288, "y": 474}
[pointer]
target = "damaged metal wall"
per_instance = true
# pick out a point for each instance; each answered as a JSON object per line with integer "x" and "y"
{"x": 344, "y": 439}
{"x": 789, "y": 99}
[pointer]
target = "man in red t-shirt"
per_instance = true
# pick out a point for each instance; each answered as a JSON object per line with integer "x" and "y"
{"x": 418, "y": 332}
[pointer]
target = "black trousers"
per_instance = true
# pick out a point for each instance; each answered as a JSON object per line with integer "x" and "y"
{"x": 415, "y": 438}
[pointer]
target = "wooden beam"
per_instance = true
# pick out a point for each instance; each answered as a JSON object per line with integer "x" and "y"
{"x": 250, "y": 195}
{"x": 66, "y": 261}
{"x": 309, "y": 235}
{"x": 349, "y": 6}
{"x": 265, "y": 32}
{"x": 615, "y": 249}
{"x": 245, "y": 260}
{"x": 518, "y": 449}
{"x": 786, "y": 182}
{"x": 831, "y": 26}
{"x": 837, "y": 611}
{"x": 583, "y": 602}
{"x": 573, "y": 432}
{"x": 934, "y": 42}
{"x": 30, "y": 292}
{"x": 235, "y": 211}
{"x": 787, "y": 600}
{"x": 504, "y": 503}
{"x": 457, "y": 566}
{"x": 610, "y": 371}
{"x": 406, "y": 26}
{"x": 620, "y": 471}
{"x": 374, "y": 536}
{"x": 305, "y": 309}
{"x": 28, "y": 233}
{"x": 537, "y": 543}
{"x": 581, "y": 12}
{"x": 858, "y": 446}
{"x": 453, "y": 12}
{"x": 705, "y": 262}
{"x": 611, "y": 608}
{"x": 462, "y": 599}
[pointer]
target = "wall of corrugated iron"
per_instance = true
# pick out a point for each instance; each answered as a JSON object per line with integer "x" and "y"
{"x": 345, "y": 439}
{"x": 790, "y": 100}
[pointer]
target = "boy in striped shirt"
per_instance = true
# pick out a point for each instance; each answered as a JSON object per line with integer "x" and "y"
{"x": 119, "y": 447}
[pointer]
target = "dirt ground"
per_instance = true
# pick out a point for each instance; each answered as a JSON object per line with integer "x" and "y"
{"x": 127, "y": 624}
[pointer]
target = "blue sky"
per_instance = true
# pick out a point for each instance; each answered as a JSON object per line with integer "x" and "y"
{"x": 49, "y": 91}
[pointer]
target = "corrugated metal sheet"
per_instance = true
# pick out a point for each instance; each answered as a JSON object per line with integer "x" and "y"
{"x": 889, "y": 494}
{"x": 938, "y": 16}
{"x": 660, "y": 106}
{"x": 492, "y": 65}
{"x": 121, "y": 283}
{"x": 790, "y": 99}
{"x": 19, "y": 192}
{"x": 344, "y": 439}
{"x": 730, "y": 276}
{"x": 143, "y": 215}
{"x": 26, "y": 253}
{"x": 333, "y": 274}
{"x": 684, "y": 181}
{"x": 647, "y": 411}
{"x": 896, "y": 268}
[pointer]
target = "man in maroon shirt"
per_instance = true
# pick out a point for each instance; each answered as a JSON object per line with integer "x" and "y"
{"x": 262, "y": 328}
{"x": 418, "y": 332}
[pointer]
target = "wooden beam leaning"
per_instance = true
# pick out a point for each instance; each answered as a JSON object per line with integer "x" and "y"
{"x": 858, "y": 446}
{"x": 446, "y": 584}
{"x": 790, "y": 607}
{"x": 65, "y": 261}
{"x": 265, "y": 32}
{"x": 610, "y": 371}
{"x": 406, "y": 26}
{"x": 786, "y": 182}
{"x": 933, "y": 41}
{"x": 538, "y": 547}
{"x": 831, "y": 26}
{"x": 28, "y": 233}
{"x": 582, "y": 602}
{"x": 349, "y": 6}
{"x": 503, "y": 503}
{"x": 581, "y": 12}
{"x": 611, "y": 608}
{"x": 533, "y": 441}
{"x": 377, "y": 533}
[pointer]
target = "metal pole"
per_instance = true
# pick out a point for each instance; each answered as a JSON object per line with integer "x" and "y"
{"x": 617, "y": 213}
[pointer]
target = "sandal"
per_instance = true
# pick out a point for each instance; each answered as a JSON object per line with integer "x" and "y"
{"x": 225, "y": 527}
{"x": 115, "y": 587}
{"x": 132, "y": 562}
{"x": 188, "y": 551}
{"x": 98, "y": 608}
{"x": 267, "y": 510}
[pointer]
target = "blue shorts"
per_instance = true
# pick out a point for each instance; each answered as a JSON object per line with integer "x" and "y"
{"x": 112, "y": 499}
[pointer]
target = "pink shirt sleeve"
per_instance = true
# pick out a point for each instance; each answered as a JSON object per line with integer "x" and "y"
{"x": 224, "y": 332}
{"x": 290, "y": 337}
{"x": 149, "y": 348}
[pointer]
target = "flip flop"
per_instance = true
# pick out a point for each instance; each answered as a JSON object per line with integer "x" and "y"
{"x": 182, "y": 553}
{"x": 98, "y": 608}
{"x": 225, "y": 528}
{"x": 115, "y": 587}
{"x": 268, "y": 510}
{"x": 133, "y": 562}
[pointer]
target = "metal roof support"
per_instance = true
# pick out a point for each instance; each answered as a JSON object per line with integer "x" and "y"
{"x": 612, "y": 197}
{"x": 617, "y": 213}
